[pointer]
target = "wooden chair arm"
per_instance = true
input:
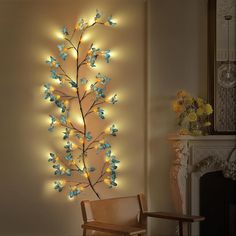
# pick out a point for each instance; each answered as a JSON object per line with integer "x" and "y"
{"x": 111, "y": 228}
{"x": 171, "y": 216}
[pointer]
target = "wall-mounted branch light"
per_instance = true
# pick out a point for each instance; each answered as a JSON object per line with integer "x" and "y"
{"x": 88, "y": 96}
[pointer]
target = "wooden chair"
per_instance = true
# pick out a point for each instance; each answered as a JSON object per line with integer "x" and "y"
{"x": 124, "y": 216}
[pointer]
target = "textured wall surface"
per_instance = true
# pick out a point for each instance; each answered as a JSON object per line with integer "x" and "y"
{"x": 28, "y": 205}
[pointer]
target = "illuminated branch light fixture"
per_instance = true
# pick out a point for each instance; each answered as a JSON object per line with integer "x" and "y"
{"x": 76, "y": 174}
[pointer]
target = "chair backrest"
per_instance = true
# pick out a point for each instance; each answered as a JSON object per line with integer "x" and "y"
{"x": 122, "y": 211}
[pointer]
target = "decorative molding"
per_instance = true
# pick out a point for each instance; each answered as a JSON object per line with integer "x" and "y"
{"x": 228, "y": 167}
{"x": 195, "y": 156}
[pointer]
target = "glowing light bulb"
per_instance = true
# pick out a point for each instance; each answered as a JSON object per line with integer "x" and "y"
{"x": 86, "y": 175}
{"x": 91, "y": 21}
{"x": 108, "y": 170}
{"x": 73, "y": 53}
{"x": 107, "y": 130}
{"x": 51, "y": 89}
{"x": 107, "y": 159}
{"x": 81, "y": 188}
{"x": 59, "y": 35}
{"x": 58, "y": 97}
{"x": 106, "y": 181}
{"x": 85, "y": 37}
{"x": 80, "y": 121}
{"x": 102, "y": 141}
{"x": 66, "y": 102}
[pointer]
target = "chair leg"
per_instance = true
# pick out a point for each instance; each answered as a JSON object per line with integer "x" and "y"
{"x": 84, "y": 232}
{"x": 181, "y": 228}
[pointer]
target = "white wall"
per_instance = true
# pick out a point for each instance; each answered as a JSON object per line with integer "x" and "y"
{"x": 177, "y": 59}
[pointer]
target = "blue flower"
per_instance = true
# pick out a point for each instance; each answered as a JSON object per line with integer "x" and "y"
{"x": 100, "y": 93}
{"x": 48, "y": 93}
{"x": 68, "y": 172}
{"x": 55, "y": 75}
{"x": 81, "y": 24}
{"x": 68, "y": 147}
{"x": 58, "y": 186}
{"x": 101, "y": 113}
{"x": 106, "y": 55}
{"x": 63, "y": 51}
{"x": 63, "y": 119}
{"x": 65, "y": 31}
{"x": 83, "y": 81}
{"x": 53, "y": 62}
{"x": 103, "y": 145}
{"x": 91, "y": 169}
{"x": 98, "y": 15}
{"x": 58, "y": 170}
{"x": 73, "y": 84}
{"x": 103, "y": 79}
{"x": 69, "y": 157}
{"x": 110, "y": 21}
{"x": 74, "y": 192}
{"x": 113, "y": 130}
{"x": 113, "y": 99}
{"x": 88, "y": 136}
{"x": 61, "y": 105}
{"x": 92, "y": 57}
{"x": 53, "y": 121}
{"x": 66, "y": 134}
{"x": 52, "y": 158}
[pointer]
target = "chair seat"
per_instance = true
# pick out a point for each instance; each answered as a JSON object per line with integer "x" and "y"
{"x": 112, "y": 228}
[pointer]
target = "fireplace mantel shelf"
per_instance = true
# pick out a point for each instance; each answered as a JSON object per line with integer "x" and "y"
{"x": 202, "y": 138}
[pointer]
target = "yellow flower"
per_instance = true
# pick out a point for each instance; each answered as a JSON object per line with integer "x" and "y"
{"x": 182, "y": 94}
{"x": 192, "y": 116}
{"x": 183, "y": 132}
{"x": 177, "y": 107}
{"x": 208, "y": 123}
{"x": 208, "y": 109}
{"x": 200, "y": 111}
{"x": 189, "y": 101}
{"x": 199, "y": 101}
{"x": 197, "y": 132}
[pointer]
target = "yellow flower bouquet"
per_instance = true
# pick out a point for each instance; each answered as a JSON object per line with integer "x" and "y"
{"x": 193, "y": 114}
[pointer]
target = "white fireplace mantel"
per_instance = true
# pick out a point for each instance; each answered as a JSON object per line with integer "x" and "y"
{"x": 188, "y": 152}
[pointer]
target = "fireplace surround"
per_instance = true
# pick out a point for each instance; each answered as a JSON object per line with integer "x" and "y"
{"x": 193, "y": 157}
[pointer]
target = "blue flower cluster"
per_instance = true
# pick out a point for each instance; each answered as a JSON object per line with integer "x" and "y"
{"x": 49, "y": 94}
{"x": 94, "y": 53}
{"x": 52, "y": 124}
{"x": 74, "y": 192}
{"x": 104, "y": 80}
{"x": 113, "y": 166}
{"x": 62, "y": 51}
{"x": 113, "y": 130}
{"x": 52, "y": 62}
{"x": 59, "y": 170}
{"x": 100, "y": 112}
{"x": 58, "y": 186}
{"x": 103, "y": 145}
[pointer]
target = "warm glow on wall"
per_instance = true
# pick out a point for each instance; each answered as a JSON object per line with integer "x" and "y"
{"x": 88, "y": 96}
